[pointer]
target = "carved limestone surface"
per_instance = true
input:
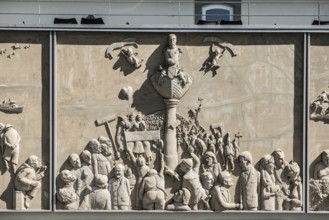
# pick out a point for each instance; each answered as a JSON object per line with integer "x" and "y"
{"x": 319, "y": 184}
{"x": 319, "y": 108}
{"x": 216, "y": 51}
{"x": 10, "y": 146}
{"x": 182, "y": 150}
{"x": 10, "y": 107}
{"x": 28, "y": 178}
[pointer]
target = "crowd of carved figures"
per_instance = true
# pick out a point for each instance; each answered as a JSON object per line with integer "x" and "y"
{"x": 139, "y": 179}
{"x": 163, "y": 161}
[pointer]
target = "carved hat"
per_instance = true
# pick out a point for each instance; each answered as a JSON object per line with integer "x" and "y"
{"x": 246, "y": 155}
{"x": 101, "y": 181}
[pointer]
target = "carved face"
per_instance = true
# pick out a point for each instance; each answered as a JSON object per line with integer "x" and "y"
{"x": 75, "y": 161}
{"x": 227, "y": 180}
{"x": 209, "y": 160}
{"x": 270, "y": 167}
{"x": 278, "y": 159}
{"x": 35, "y": 163}
{"x": 118, "y": 172}
{"x": 86, "y": 157}
{"x": 243, "y": 163}
{"x": 207, "y": 182}
{"x": 172, "y": 40}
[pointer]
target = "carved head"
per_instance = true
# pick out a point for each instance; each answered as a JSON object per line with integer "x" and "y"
{"x": 128, "y": 172}
{"x": 139, "y": 117}
{"x": 130, "y": 51}
{"x": 207, "y": 180}
{"x": 182, "y": 196}
{"x": 172, "y": 40}
{"x": 268, "y": 163}
{"x": 209, "y": 158}
{"x": 119, "y": 170}
{"x": 101, "y": 181}
{"x": 74, "y": 160}
{"x": 86, "y": 157}
{"x": 67, "y": 176}
{"x": 245, "y": 160}
{"x": 132, "y": 117}
{"x": 227, "y": 138}
{"x": 34, "y": 162}
{"x": 293, "y": 171}
{"x": 225, "y": 179}
{"x": 278, "y": 156}
{"x": 325, "y": 157}
{"x": 140, "y": 160}
{"x": 95, "y": 146}
{"x": 186, "y": 165}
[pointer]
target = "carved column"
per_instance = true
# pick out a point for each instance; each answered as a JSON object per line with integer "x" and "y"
{"x": 170, "y": 141}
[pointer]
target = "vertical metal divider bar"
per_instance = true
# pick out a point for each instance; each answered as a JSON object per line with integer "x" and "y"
{"x": 53, "y": 107}
{"x": 305, "y": 123}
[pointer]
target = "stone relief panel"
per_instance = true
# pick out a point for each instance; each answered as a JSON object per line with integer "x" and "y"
{"x": 318, "y": 140}
{"x": 24, "y": 121}
{"x": 168, "y": 136}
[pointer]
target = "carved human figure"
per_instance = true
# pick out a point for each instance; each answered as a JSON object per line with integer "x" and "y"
{"x": 99, "y": 197}
{"x": 210, "y": 164}
{"x": 10, "y": 146}
{"x": 107, "y": 149}
{"x": 281, "y": 179}
{"x": 296, "y": 188}
{"x": 269, "y": 188}
{"x": 119, "y": 188}
{"x": 207, "y": 182}
{"x": 67, "y": 194}
{"x": 86, "y": 170}
{"x": 212, "y": 62}
{"x": 212, "y": 144}
{"x": 131, "y": 57}
{"x": 152, "y": 189}
{"x": 230, "y": 152}
{"x": 249, "y": 183}
{"x": 321, "y": 169}
{"x": 190, "y": 168}
{"x": 141, "y": 126}
{"x": 142, "y": 169}
{"x": 123, "y": 125}
{"x": 319, "y": 106}
{"x": 172, "y": 70}
{"x": 131, "y": 178}
{"x": 28, "y": 178}
{"x": 101, "y": 166}
{"x": 75, "y": 163}
{"x": 180, "y": 199}
{"x": 220, "y": 193}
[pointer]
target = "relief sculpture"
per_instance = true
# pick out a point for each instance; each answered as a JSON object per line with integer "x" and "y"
{"x": 166, "y": 161}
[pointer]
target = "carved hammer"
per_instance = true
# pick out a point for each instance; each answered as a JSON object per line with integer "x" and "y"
{"x": 106, "y": 121}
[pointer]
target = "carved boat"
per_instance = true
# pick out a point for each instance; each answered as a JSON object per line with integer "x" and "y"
{"x": 10, "y": 107}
